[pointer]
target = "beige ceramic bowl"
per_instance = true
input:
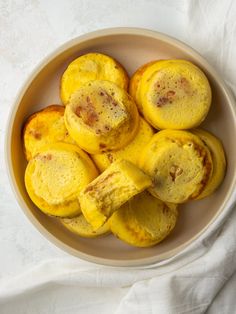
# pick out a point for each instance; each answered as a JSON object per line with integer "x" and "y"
{"x": 132, "y": 47}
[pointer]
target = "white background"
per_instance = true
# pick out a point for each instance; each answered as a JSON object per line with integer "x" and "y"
{"x": 31, "y": 29}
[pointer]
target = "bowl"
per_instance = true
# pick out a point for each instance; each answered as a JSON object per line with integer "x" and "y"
{"x": 132, "y": 47}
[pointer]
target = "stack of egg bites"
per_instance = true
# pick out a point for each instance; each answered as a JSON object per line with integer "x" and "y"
{"x": 117, "y": 157}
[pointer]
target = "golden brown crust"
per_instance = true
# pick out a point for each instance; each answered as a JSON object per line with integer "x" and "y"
{"x": 43, "y": 127}
{"x": 50, "y": 108}
{"x": 136, "y": 77}
{"x": 218, "y": 157}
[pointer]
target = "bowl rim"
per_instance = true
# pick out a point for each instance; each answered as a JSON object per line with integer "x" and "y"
{"x": 223, "y": 210}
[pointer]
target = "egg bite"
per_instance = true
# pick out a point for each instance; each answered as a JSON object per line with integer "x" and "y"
{"x": 81, "y": 227}
{"x": 130, "y": 152}
{"x": 55, "y": 176}
{"x": 218, "y": 158}
{"x": 174, "y": 94}
{"x": 179, "y": 163}
{"x": 101, "y": 117}
{"x": 44, "y": 127}
{"x": 90, "y": 67}
{"x": 116, "y": 185}
{"x": 144, "y": 220}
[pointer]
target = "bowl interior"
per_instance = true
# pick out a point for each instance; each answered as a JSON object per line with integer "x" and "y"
{"x": 131, "y": 50}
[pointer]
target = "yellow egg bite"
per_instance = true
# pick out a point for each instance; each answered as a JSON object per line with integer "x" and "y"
{"x": 174, "y": 94}
{"x": 116, "y": 185}
{"x": 218, "y": 158}
{"x": 179, "y": 164}
{"x": 130, "y": 152}
{"x": 90, "y": 67}
{"x": 81, "y": 227}
{"x": 55, "y": 176}
{"x": 144, "y": 220}
{"x": 101, "y": 117}
{"x": 45, "y": 127}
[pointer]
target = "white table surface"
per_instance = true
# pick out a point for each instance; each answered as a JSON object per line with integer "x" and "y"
{"x": 31, "y": 29}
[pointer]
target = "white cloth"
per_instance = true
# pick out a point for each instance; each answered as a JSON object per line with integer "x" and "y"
{"x": 35, "y": 276}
